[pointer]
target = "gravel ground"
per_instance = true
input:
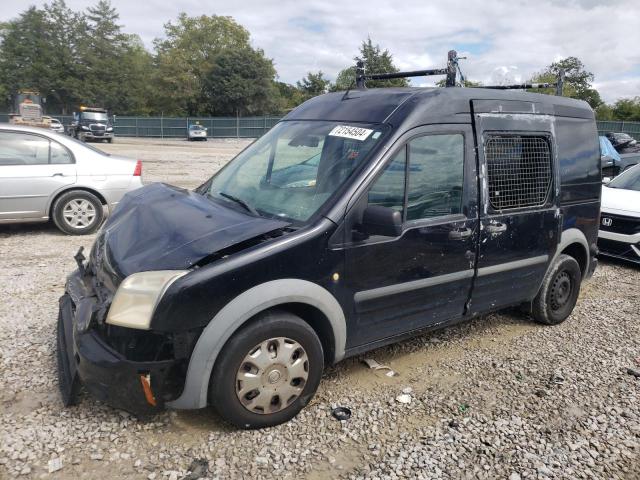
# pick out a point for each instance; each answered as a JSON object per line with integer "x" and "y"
{"x": 499, "y": 397}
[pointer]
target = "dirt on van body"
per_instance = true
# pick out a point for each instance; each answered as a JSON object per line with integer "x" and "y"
{"x": 499, "y": 397}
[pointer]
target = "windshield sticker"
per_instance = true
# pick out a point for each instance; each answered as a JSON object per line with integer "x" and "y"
{"x": 354, "y": 133}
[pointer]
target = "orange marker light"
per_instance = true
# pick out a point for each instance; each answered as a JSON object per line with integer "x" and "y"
{"x": 145, "y": 380}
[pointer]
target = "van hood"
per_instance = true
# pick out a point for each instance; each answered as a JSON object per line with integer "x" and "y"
{"x": 161, "y": 227}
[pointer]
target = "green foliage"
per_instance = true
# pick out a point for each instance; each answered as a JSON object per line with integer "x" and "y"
{"x": 74, "y": 57}
{"x": 241, "y": 82}
{"x": 289, "y": 96}
{"x": 627, "y": 109}
{"x": 186, "y": 56}
{"x": 375, "y": 60}
{"x": 577, "y": 81}
{"x": 313, "y": 84}
{"x": 464, "y": 83}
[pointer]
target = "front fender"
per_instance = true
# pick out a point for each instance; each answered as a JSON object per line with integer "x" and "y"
{"x": 241, "y": 309}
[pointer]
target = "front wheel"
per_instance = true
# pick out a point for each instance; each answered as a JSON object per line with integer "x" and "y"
{"x": 267, "y": 372}
{"x": 78, "y": 212}
{"x": 559, "y": 291}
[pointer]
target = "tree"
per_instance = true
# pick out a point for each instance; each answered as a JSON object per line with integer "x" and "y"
{"x": 187, "y": 55}
{"x": 288, "y": 96}
{"x": 103, "y": 52}
{"x": 375, "y": 60}
{"x": 313, "y": 84}
{"x": 577, "y": 82}
{"x": 627, "y": 109}
{"x": 25, "y": 53}
{"x": 241, "y": 82}
{"x": 464, "y": 83}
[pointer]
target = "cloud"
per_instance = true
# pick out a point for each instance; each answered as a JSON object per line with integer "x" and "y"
{"x": 502, "y": 40}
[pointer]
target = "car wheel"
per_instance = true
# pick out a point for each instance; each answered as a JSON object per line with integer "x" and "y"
{"x": 78, "y": 212}
{"x": 267, "y": 372}
{"x": 559, "y": 291}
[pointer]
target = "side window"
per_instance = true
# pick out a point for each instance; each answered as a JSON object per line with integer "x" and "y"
{"x": 23, "y": 149}
{"x": 518, "y": 170}
{"x": 59, "y": 154}
{"x": 436, "y": 167}
{"x": 388, "y": 189}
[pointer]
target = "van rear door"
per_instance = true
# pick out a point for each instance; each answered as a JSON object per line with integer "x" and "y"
{"x": 519, "y": 216}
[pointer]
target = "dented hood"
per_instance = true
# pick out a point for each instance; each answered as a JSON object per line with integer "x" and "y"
{"x": 161, "y": 227}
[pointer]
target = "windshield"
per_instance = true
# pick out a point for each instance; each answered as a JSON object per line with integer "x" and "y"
{"x": 628, "y": 180}
{"x": 196, "y": 127}
{"x": 97, "y": 116}
{"x": 292, "y": 170}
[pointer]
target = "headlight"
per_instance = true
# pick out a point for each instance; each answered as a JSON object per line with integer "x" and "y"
{"x": 83, "y": 127}
{"x": 137, "y": 297}
{"x": 110, "y": 129}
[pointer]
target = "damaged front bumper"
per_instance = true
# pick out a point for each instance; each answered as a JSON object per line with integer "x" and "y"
{"x": 85, "y": 358}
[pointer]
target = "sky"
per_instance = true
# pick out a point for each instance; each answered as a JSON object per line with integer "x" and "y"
{"x": 505, "y": 41}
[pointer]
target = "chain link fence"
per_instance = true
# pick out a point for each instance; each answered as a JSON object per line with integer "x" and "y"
{"x": 177, "y": 127}
{"x": 246, "y": 127}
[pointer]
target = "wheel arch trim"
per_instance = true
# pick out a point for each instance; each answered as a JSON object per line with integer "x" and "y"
{"x": 69, "y": 188}
{"x": 570, "y": 236}
{"x": 237, "y": 312}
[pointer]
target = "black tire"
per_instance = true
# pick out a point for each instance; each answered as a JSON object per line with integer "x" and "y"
{"x": 559, "y": 291}
{"x": 223, "y": 383}
{"x": 93, "y": 223}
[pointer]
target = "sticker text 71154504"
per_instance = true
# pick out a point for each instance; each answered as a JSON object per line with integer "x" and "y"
{"x": 354, "y": 133}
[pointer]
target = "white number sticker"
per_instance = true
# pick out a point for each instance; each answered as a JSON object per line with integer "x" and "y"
{"x": 354, "y": 133}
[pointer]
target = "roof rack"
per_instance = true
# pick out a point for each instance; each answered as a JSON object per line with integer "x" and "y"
{"x": 558, "y": 85}
{"x": 450, "y": 71}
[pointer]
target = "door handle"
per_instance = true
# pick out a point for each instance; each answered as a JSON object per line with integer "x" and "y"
{"x": 58, "y": 175}
{"x": 496, "y": 228}
{"x": 460, "y": 234}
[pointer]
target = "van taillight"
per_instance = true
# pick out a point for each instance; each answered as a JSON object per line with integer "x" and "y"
{"x": 138, "y": 171}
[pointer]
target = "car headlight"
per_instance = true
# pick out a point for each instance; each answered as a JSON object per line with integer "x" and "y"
{"x": 137, "y": 297}
{"x": 84, "y": 127}
{"x": 110, "y": 129}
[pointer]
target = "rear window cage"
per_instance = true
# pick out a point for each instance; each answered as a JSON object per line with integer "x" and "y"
{"x": 518, "y": 170}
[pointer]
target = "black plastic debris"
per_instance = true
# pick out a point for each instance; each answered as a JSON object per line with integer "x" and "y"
{"x": 199, "y": 468}
{"x": 635, "y": 373}
{"x": 341, "y": 413}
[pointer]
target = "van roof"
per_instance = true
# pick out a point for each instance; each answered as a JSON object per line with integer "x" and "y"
{"x": 394, "y": 105}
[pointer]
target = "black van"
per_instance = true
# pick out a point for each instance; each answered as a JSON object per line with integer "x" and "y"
{"x": 360, "y": 219}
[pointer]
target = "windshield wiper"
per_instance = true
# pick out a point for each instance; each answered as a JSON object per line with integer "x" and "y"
{"x": 241, "y": 202}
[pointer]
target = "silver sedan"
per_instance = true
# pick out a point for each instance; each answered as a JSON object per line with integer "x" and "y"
{"x": 47, "y": 176}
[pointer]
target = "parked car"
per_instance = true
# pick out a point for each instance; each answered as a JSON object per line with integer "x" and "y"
{"x": 47, "y": 176}
{"x": 56, "y": 125}
{"x": 612, "y": 162}
{"x": 609, "y": 159}
{"x": 623, "y": 142}
{"x": 360, "y": 219}
{"x": 197, "y": 132}
{"x": 619, "y": 234}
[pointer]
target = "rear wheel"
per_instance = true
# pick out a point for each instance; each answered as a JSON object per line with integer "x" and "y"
{"x": 78, "y": 212}
{"x": 559, "y": 291}
{"x": 267, "y": 372}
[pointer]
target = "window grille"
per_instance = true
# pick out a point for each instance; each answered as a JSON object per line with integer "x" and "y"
{"x": 519, "y": 171}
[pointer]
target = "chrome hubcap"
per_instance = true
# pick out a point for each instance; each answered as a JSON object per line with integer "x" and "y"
{"x": 272, "y": 375}
{"x": 79, "y": 213}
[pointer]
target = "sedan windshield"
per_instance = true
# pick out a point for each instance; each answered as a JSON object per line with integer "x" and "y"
{"x": 628, "y": 180}
{"x": 294, "y": 169}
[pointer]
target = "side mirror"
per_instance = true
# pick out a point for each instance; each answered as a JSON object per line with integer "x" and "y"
{"x": 379, "y": 220}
